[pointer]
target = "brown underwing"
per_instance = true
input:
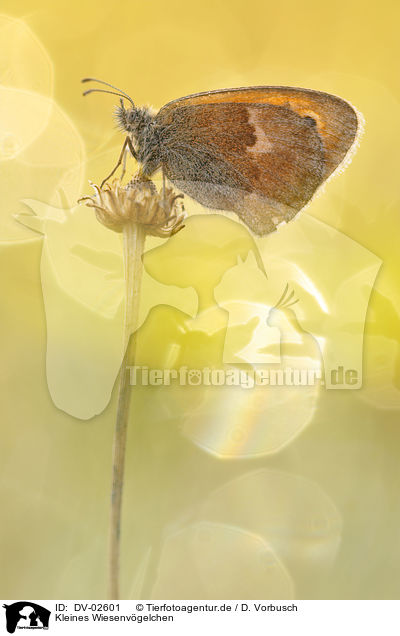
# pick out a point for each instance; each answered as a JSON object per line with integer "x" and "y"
{"x": 261, "y": 152}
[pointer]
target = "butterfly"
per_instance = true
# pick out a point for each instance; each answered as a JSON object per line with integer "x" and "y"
{"x": 261, "y": 152}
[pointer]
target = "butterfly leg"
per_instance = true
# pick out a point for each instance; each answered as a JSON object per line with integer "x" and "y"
{"x": 127, "y": 144}
{"x": 123, "y": 165}
{"x": 163, "y": 186}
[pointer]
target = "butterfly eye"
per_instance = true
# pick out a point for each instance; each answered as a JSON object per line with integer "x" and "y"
{"x": 131, "y": 116}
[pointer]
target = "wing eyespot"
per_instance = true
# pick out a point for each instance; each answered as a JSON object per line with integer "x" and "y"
{"x": 310, "y": 121}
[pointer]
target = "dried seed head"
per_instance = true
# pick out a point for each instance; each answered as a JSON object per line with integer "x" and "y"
{"x": 161, "y": 213}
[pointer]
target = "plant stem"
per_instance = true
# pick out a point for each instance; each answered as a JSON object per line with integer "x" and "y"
{"x": 133, "y": 238}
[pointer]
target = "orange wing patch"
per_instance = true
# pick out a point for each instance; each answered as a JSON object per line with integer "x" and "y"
{"x": 262, "y": 161}
{"x": 336, "y": 120}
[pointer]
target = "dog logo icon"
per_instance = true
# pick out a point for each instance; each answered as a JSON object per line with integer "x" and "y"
{"x": 26, "y": 615}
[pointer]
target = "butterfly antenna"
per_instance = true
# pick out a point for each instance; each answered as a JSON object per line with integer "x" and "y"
{"x": 119, "y": 92}
{"x": 101, "y": 90}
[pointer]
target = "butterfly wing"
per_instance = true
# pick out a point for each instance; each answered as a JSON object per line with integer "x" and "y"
{"x": 260, "y": 152}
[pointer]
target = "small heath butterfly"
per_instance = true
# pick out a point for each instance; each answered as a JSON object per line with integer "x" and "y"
{"x": 261, "y": 151}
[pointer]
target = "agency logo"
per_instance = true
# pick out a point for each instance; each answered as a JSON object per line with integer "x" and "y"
{"x": 26, "y": 615}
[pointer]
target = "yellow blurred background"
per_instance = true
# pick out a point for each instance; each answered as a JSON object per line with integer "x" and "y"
{"x": 285, "y": 492}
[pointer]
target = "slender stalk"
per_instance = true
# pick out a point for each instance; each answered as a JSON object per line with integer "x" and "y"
{"x": 133, "y": 238}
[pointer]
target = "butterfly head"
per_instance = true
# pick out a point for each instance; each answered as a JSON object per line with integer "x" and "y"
{"x": 137, "y": 122}
{"x": 128, "y": 119}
